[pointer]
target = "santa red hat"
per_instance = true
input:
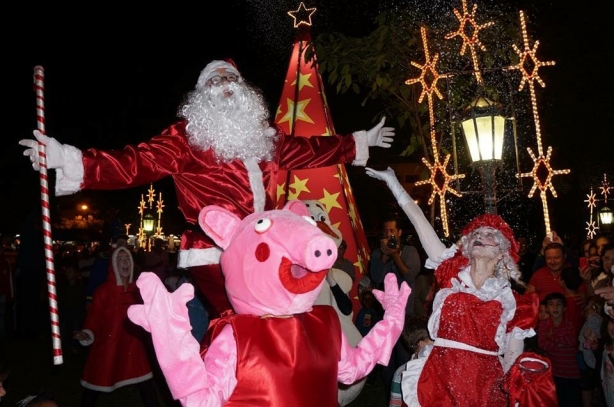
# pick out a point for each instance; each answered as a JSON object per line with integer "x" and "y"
{"x": 495, "y": 222}
{"x": 211, "y": 71}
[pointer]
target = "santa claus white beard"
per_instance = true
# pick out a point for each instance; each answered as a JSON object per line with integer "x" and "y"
{"x": 235, "y": 127}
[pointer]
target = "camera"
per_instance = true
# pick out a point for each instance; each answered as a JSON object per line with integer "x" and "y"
{"x": 392, "y": 242}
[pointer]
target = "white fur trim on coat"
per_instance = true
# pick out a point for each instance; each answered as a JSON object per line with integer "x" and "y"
{"x": 87, "y": 342}
{"x": 209, "y": 71}
{"x": 69, "y": 178}
{"x": 362, "y": 148}
{"x": 199, "y": 257}
{"x": 255, "y": 182}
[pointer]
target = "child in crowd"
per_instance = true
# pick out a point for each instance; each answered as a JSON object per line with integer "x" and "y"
{"x": 531, "y": 344}
{"x": 367, "y": 315}
{"x": 607, "y": 362}
{"x": 416, "y": 337}
{"x": 558, "y": 339}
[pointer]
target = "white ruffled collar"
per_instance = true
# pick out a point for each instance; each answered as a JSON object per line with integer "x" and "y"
{"x": 490, "y": 290}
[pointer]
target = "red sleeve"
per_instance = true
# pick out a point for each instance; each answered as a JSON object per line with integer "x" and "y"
{"x": 132, "y": 166}
{"x": 527, "y": 311}
{"x": 298, "y": 152}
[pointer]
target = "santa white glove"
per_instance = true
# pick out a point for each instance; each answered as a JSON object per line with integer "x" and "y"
{"x": 380, "y": 136}
{"x": 428, "y": 238}
{"x": 54, "y": 151}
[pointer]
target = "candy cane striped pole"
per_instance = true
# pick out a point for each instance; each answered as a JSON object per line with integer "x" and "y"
{"x": 49, "y": 262}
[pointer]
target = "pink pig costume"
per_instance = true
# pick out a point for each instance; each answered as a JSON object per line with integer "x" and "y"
{"x": 278, "y": 349}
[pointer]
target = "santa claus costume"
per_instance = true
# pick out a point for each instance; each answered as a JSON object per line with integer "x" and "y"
{"x": 224, "y": 151}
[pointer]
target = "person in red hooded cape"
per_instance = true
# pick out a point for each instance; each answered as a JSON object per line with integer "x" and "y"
{"x": 118, "y": 354}
{"x": 478, "y": 322}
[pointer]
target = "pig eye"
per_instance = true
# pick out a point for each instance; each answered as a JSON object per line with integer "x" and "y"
{"x": 263, "y": 225}
{"x": 310, "y": 220}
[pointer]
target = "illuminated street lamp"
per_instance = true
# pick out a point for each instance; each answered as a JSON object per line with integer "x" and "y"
{"x": 148, "y": 227}
{"x": 484, "y": 127}
{"x": 605, "y": 218}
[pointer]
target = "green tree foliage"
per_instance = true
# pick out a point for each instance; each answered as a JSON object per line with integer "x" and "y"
{"x": 376, "y": 66}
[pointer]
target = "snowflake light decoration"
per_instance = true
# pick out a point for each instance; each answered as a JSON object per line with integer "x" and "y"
{"x": 605, "y": 188}
{"x": 439, "y": 178}
{"x": 428, "y": 77}
{"x": 468, "y": 30}
{"x": 591, "y": 228}
{"x": 529, "y": 67}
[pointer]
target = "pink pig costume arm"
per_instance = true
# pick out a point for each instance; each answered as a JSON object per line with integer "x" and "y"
{"x": 377, "y": 346}
{"x": 191, "y": 380}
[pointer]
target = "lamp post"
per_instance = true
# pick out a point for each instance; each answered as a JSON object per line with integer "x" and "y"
{"x": 484, "y": 127}
{"x": 148, "y": 227}
{"x": 605, "y": 218}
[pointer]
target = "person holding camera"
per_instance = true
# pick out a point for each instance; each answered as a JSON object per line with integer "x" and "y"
{"x": 392, "y": 256}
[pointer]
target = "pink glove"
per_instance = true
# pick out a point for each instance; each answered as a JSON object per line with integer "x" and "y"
{"x": 393, "y": 301}
{"x": 377, "y": 346}
{"x": 165, "y": 315}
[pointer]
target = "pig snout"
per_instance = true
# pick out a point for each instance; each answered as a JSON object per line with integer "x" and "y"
{"x": 320, "y": 254}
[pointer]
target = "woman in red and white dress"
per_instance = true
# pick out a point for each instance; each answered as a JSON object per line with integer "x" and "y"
{"x": 478, "y": 322}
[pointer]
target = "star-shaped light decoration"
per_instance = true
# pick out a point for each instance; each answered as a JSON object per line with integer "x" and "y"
{"x": 529, "y": 66}
{"x": 591, "y": 227}
{"x": 542, "y": 171}
{"x": 605, "y": 188}
{"x": 142, "y": 205}
{"x": 468, "y": 30}
{"x": 302, "y": 15}
{"x": 150, "y": 195}
{"x": 159, "y": 204}
{"x": 591, "y": 201}
{"x": 542, "y": 167}
{"x": 428, "y": 77}
{"x": 439, "y": 179}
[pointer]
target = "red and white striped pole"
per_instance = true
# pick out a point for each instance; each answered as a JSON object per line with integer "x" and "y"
{"x": 39, "y": 87}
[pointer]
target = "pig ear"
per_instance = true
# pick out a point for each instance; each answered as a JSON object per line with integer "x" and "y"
{"x": 219, "y": 224}
{"x": 297, "y": 207}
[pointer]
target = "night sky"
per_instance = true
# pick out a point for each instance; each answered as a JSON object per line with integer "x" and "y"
{"x": 115, "y": 76}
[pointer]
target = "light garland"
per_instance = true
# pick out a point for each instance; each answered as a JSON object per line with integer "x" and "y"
{"x": 302, "y": 15}
{"x": 143, "y": 204}
{"x": 429, "y": 70}
{"x": 468, "y": 30}
{"x": 605, "y": 188}
{"x": 529, "y": 66}
{"x": 591, "y": 228}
